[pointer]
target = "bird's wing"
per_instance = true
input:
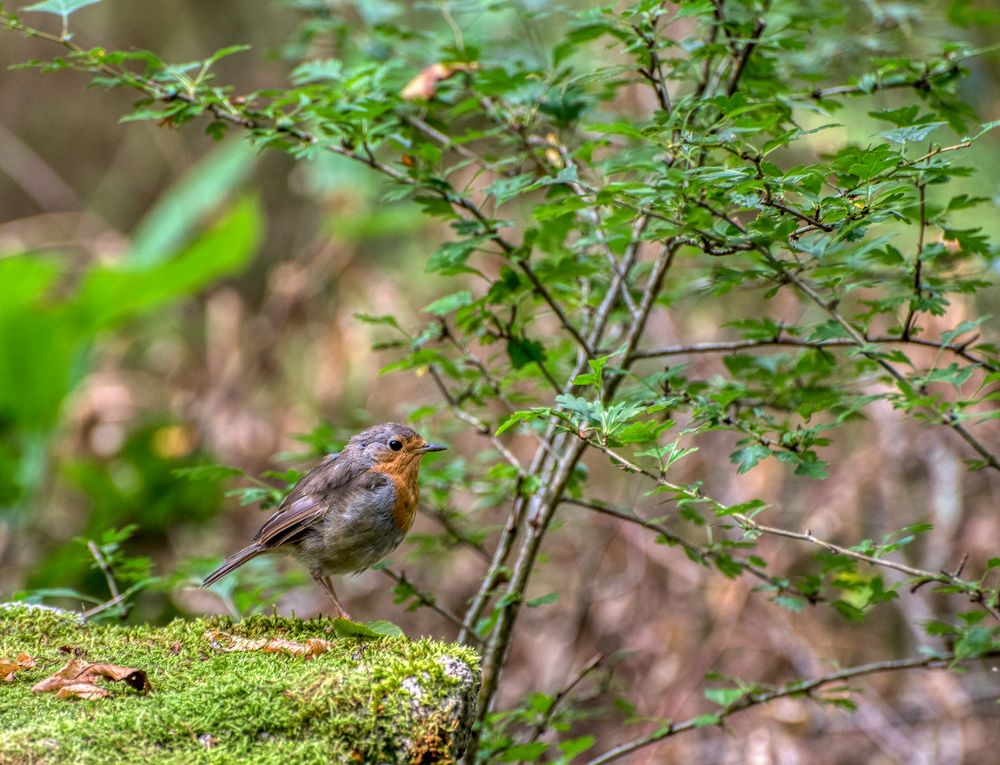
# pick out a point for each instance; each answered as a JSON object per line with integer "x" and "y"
{"x": 309, "y": 500}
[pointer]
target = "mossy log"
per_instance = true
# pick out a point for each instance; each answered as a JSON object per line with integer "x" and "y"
{"x": 375, "y": 700}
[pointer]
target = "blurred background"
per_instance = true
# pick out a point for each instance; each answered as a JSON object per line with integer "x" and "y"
{"x": 254, "y": 357}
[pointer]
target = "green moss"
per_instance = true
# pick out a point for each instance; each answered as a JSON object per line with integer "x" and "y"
{"x": 391, "y": 700}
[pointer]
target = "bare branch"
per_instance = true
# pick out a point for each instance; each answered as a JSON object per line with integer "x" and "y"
{"x": 949, "y": 419}
{"x": 741, "y": 62}
{"x": 109, "y": 577}
{"x": 542, "y": 725}
{"x": 481, "y": 427}
{"x": 424, "y": 598}
{"x": 920, "y": 82}
{"x": 725, "y": 346}
{"x": 703, "y": 555}
{"x": 918, "y": 262}
{"x": 975, "y": 591}
{"x": 797, "y": 688}
{"x": 452, "y": 528}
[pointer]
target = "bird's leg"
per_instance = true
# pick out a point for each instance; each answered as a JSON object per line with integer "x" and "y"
{"x": 327, "y": 584}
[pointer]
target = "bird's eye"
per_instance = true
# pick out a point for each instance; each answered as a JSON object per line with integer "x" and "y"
{"x": 395, "y": 445}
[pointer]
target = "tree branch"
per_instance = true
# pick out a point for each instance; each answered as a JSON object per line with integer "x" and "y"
{"x": 797, "y": 688}
{"x": 424, "y": 598}
{"x": 741, "y": 62}
{"x": 976, "y": 593}
{"x": 725, "y": 346}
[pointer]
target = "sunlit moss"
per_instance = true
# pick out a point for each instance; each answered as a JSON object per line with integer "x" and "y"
{"x": 390, "y": 700}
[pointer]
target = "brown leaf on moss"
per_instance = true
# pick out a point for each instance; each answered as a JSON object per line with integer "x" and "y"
{"x": 77, "y": 673}
{"x": 424, "y": 85}
{"x": 87, "y": 691}
{"x": 311, "y": 648}
{"x": 10, "y": 668}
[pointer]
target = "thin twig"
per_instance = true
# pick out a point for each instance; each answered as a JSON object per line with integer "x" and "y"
{"x": 541, "y": 289}
{"x": 424, "y": 598}
{"x": 975, "y": 592}
{"x": 797, "y": 688}
{"x": 978, "y": 594}
{"x": 921, "y": 81}
{"x": 446, "y": 141}
{"x": 590, "y": 212}
{"x": 741, "y": 63}
{"x": 779, "y": 584}
{"x": 554, "y": 479}
{"x": 546, "y": 718}
{"x": 725, "y": 346}
{"x": 452, "y": 528}
{"x": 109, "y": 577}
{"x": 653, "y": 73}
{"x": 104, "y": 606}
{"x": 481, "y": 427}
{"x": 918, "y": 262}
{"x": 948, "y": 419}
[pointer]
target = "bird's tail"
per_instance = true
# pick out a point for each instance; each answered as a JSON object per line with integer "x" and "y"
{"x": 234, "y": 561}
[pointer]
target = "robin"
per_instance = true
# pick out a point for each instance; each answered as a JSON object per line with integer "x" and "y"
{"x": 348, "y": 512}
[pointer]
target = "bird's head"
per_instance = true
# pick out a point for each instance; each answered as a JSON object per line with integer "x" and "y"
{"x": 392, "y": 446}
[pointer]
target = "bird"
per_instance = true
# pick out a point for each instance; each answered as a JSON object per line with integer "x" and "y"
{"x": 348, "y": 512}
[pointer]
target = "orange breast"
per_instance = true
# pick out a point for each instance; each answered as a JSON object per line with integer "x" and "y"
{"x": 404, "y": 479}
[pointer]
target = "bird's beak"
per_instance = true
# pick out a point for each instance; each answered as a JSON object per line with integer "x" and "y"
{"x": 432, "y": 448}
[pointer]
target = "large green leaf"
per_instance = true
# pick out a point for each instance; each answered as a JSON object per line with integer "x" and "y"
{"x": 181, "y": 211}
{"x": 40, "y": 344}
{"x": 110, "y": 294}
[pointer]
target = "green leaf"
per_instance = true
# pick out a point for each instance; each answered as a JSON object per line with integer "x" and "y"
{"x": 911, "y": 133}
{"x": 848, "y": 611}
{"x": 506, "y": 189}
{"x": 523, "y": 351}
{"x": 522, "y": 416}
{"x": 375, "y": 629}
{"x": 60, "y": 7}
{"x": 695, "y": 8}
{"x": 524, "y": 752}
{"x": 790, "y": 603}
{"x": 747, "y": 458}
{"x": 318, "y": 70}
{"x": 384, "y": 319}
{"x": 829, "y": 330}
{"x": 588, "y": 410}
{"x": 574, "y": 746}
{"x": 109, "y": 294}
{"x": 450, "y": 257}
{"x": 450, "y": 303}
{"x": 552, "y": 597}
{"x": 966, "y": 326}
{"x": 704, "y": 721}
{"x": 593, "y": 377}
{"x": 208, "y": 472}
{"x": 986, "y": 127}
{"x": 179, "y": 213}
{"x": 724, "y": 697}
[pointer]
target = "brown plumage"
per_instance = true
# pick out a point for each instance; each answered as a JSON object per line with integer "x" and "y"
{"x": 348, "y": 512}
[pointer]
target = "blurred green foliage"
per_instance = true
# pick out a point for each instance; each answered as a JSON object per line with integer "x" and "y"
{"x": 50, "y": 320}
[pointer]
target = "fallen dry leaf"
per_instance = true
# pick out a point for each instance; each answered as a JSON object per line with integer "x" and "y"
{"x": 77, "y": 673}
{"x": 310, "y": 648}
{"x": 9, "y": 668}
{"x": 424, "y": 85}
{"x": 81, "y": 691}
